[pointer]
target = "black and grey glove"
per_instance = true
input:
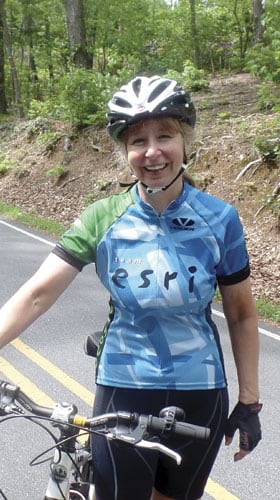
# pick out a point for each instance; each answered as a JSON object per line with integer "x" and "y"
{"x": 245, "y": 417}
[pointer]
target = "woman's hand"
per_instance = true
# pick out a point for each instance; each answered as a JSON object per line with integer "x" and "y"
{"x": 245, "y": 418}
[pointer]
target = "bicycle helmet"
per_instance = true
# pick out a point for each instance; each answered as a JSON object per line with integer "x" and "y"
{"x": 145, "y": 97}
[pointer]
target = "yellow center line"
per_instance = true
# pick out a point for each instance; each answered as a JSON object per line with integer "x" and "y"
{"x": 25, "y": 384}
{"x": 30, "y": 389}
{"x": 217, "y": 491}
{"x": 64, "y": 379}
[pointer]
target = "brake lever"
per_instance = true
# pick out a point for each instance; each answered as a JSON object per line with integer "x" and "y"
{"x": 10, "y": 409}
{"x": 153, "y": 445}
{"x": 142, "y": 443}
{"x": 7, "y": 403}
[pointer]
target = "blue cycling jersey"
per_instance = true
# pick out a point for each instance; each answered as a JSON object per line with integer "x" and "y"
{"x": 161, "y": 272}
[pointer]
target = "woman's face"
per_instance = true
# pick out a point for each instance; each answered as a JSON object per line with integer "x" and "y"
{"x": 155, "y": 151}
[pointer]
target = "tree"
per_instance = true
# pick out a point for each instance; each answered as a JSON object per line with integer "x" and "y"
{"x": 258, "y": 11}
{"x": 28, "y": 31}
{"x": 3, "y": 102}
{"x": 77, "y": 33}
{"x": 194, "y": 34}
{"x": 243, "y": 26}
{"x": 11, "y": 59}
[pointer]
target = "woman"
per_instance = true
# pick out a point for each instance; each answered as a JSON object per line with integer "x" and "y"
{"x": 160, "y": 248}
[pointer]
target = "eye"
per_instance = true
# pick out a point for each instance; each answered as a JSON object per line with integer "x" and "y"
{"x": 136, "y": 141}
{"x": 165, "y": 137}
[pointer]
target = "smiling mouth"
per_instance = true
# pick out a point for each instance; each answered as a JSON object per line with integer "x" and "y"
{"x": 155, "y": 168}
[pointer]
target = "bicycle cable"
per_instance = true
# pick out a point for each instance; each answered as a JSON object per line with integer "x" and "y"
{"x": 57, "y": 445}
{"x": 3, "y": 495}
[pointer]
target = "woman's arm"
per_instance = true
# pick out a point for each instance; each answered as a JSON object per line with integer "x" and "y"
{"x": 240, "y": 311}
{"x": 35, "y": 297}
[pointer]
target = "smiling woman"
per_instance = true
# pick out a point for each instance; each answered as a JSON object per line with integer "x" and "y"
{"x": 155, "y": 155}
{"x": 161, "y": 248}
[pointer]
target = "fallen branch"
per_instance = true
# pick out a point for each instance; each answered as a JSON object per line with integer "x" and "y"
{"x": 249, "y": 165}
{"x": 95, "y": 147}
{"x": 260, "y": 210}
{"x": 275, "y": 193}
{"x": 98, "y": 148}
{"x": 71, "y": 180}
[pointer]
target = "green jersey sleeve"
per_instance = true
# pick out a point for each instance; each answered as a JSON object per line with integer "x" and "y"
{"x": 78, "y": 244}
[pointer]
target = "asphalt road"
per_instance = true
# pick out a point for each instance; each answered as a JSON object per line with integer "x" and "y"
{"x": 55, "y": 342}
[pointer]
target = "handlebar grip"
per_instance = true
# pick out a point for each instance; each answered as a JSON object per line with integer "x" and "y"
{"x": 191, "y": 430}
{"x": 182, "y": 429}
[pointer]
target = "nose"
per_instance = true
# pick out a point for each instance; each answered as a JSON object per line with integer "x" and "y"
{"x": 153, "y": 150}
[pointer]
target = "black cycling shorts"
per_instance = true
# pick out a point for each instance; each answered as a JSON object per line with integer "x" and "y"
{"x": 124, "y": 473}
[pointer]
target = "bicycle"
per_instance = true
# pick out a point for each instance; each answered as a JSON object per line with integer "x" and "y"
{"x": 71, "y": 473}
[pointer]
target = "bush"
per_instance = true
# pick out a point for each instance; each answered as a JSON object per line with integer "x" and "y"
{"x": 46, "y": 108}
{"x": 56, "y": 171}
{"x": 191, "y": 78}
{"x": 264, "y": 59}
{"x": 268, "y": 98}
{"x": 269, "y": 147}
{"x": 83, "y": 96}
{"x": 5, "y": 165}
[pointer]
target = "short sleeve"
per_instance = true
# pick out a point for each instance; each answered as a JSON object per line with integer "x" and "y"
{"x": 77, "y": 246}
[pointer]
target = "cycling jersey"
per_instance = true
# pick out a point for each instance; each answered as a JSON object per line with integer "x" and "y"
{"x": 161, "y": 272}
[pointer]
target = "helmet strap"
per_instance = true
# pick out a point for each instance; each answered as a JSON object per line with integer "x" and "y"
{"x": 151, "y": 190}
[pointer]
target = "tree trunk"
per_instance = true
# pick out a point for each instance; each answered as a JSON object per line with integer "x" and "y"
{"x": 77, "y": 34}
{"x": 258, "y": 29}
{"x": 9, "y": 49}
{"x": 28, "y": 30}
{"x": 3, "y": 102}
{"x": 242, "y": 49}
{"x": 49, "y": 51}
{"x": 194, "y": 34}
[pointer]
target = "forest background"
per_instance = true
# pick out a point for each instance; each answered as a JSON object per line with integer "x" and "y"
{"x": 60, "y": 61}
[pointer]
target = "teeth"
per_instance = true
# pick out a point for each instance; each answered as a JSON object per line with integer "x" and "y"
{"x": 155, "y": 167}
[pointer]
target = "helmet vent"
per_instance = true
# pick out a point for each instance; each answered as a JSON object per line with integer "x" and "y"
{"x": 136, "y": 85}
{"x": 158, "y": 90}
{"x": 121, "y": 102}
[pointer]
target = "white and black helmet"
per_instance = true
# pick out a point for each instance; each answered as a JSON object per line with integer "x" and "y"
{"x": 145, "y": 97}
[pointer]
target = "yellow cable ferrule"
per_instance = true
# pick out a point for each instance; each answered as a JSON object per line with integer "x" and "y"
{"x": 80, "y": 420}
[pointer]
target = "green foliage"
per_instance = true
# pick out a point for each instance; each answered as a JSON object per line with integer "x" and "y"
{"x": 52, "y": 227}
{"x": 47, "y": 137}
{"x": 224, "y": 115}
{"x": 268, "y": 98}
{"x": 83, "y": 96}
{"x": 272, "y": 202}
{"x": 125, "y": 39}
{"x": 268, "y": 310}
{"x": 47, "y": 108}
{"x": 264, "y": 61}
{"x": 191, "y": 78}
{"x": 269, "y": 147}
{"x": 5, "y": 165}
{"x": 56, "y": 171}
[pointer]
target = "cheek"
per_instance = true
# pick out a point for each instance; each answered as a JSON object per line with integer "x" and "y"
{"x": 133, "y": 158}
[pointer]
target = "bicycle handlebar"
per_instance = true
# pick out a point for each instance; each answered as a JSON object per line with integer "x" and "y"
{"x": 137, "y": 426}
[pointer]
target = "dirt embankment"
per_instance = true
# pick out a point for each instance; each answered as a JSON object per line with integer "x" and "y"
{"x": 85, "y": 166}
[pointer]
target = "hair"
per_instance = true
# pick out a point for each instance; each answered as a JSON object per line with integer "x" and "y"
{"x": 173, "y": 125}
